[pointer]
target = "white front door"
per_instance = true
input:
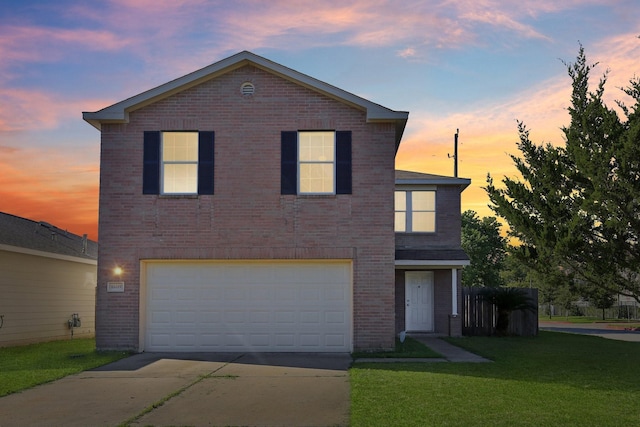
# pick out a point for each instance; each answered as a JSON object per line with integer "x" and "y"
{"x": 419, "y": 300}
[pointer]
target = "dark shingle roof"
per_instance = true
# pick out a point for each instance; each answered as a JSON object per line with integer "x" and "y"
{"x": 409, "y": 177}
{"x": 432, "y": 254}
{"x": 42, "y": 236}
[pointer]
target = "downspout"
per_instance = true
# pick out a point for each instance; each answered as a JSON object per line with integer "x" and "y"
{"x": 454, "y": 296}
{"x": 454, "y": 292}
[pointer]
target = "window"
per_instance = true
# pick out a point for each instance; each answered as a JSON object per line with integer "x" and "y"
{"x": 316, "y": 162}
{"x": 177, "y": 163}
{"x": 415, "y": 211}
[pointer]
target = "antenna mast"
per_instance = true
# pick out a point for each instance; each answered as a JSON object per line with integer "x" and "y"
{"x": 455, "y": 153}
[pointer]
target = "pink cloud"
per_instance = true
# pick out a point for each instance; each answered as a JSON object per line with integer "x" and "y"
{"x": 33, "y": 43}
{"x": 26, "y": 109}
{"x": 620, "y": 55}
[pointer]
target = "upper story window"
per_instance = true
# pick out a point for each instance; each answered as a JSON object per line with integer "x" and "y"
{"x": 316, "y": 162}
{"x": 179, "y": 163}
{"x": 415, "y": 211}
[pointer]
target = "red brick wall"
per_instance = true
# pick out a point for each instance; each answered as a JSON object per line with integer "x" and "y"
{"x": 247, "y": 217}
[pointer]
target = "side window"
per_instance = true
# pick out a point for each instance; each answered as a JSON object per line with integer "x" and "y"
{"x": 415, "y": 211}
{"x": 178, "y": 163}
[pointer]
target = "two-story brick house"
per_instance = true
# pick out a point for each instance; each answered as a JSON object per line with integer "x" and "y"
{"x": 249, "y": 207}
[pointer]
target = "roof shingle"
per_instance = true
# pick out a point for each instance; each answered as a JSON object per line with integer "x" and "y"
{"x": 42, "y": 236}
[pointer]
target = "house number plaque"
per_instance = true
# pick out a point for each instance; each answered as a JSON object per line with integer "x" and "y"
{"x": 115, "y": 286}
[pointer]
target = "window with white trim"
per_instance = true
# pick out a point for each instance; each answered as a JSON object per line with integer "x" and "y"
{"x": 316, "y": 162}
{"x": 179, "y": 163}
{"x": 415, "y": 211}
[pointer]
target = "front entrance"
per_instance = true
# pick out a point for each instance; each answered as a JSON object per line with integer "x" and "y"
{"x": 419, "y": 301}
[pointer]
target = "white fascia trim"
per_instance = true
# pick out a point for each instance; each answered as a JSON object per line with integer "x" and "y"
{"x": 26, "y": 251}
{"x": 408, "y": 263}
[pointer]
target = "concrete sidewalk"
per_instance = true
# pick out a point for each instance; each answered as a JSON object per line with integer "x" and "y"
{"x": 615, "y": 331}
{"x": 154, "y": 389}
{"x": 450, "y": 353}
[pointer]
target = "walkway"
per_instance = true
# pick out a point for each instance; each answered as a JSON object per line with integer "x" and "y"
{"x": 450, "y": 352}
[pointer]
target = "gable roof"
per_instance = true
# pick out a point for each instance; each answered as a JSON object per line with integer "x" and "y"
{"x": 119, "y": 112}
{"x": 40, "y": 236}
{"x": 419, "y": 178}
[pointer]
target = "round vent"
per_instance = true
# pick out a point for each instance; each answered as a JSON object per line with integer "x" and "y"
{"x": 247, "y": 88}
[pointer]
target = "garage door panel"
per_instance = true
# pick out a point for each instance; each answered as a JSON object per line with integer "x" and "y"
{"x": 285, "y": 317}
{"x": 335, "y": 317}
{"x": 210, "y": 317}
{"x": 253, "y": 306}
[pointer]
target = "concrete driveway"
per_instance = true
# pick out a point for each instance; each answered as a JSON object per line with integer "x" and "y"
{"x": 157, "y": 389}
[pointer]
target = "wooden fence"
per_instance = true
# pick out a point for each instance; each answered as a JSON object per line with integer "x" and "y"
{"x": 479, "y": 317}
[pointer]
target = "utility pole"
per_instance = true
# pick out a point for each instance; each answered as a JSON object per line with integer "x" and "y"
{"x": 455, "y": 153}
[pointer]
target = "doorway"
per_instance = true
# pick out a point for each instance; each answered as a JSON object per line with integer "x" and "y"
{"x": 419, "y": 301}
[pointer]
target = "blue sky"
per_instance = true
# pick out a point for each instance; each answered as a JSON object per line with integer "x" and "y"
{"x": 476, "y": 65}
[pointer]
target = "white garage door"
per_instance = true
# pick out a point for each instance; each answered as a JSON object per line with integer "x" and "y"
{"x": 248, "y": 306}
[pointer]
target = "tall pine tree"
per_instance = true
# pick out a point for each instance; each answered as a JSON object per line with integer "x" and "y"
{"x": 576, "y": 210}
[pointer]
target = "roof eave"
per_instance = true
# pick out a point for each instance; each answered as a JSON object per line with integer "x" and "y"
{"x": 462, "y": 182}
{"x": 426, "y": 263}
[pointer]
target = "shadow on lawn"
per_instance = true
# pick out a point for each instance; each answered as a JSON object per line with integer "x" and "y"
{"x": 552, "y": 357}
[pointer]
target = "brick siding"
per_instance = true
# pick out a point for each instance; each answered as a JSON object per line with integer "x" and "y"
{"x": 247, "y": 218}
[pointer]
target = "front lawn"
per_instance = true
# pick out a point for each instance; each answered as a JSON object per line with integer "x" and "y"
{"x": 555, "y": 379}
{"x": 26, "y": 366}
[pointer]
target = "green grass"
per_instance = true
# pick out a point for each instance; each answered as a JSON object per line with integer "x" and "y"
{"x": 409, "y": 349}
{"x": 553, "y": 380}
{"x": 26, "y": 366}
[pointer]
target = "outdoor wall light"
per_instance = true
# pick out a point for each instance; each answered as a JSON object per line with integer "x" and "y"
{"x": 117, "y": 271}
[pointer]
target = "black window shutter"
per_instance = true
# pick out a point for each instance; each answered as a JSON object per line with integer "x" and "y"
{"x": 343, "y": 162}
{"x": 205, "y": 162}
{"x": 289, "y": 162}
{"x": 151, "y": 163}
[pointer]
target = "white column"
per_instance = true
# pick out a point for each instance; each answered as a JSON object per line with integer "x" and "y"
{"x": 454, "y": 292}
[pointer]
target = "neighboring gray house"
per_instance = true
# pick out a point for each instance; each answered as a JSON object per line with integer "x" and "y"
{"x": 46, "y": 276}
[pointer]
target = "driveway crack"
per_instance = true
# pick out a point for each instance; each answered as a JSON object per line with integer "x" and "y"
{"x": 176, "y": 393}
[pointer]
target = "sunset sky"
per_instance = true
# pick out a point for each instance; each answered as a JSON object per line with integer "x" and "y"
{"x": 476, "y": 65}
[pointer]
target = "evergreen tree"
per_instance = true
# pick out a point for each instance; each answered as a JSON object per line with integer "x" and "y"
{"x": 576, "y": 210}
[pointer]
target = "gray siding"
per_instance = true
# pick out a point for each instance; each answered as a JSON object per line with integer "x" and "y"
{"x": 39, "y": 294}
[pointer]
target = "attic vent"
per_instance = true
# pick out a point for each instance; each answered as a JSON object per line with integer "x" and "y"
{"x": 247, "y": 88}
